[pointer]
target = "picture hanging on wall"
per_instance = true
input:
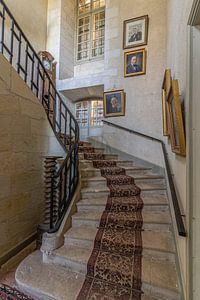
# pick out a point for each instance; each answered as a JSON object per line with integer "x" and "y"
{"x": 166, "y": 87}
{"x": 135, "y": 63}
{"x": 177, "y": 133}
{"x": 114, "y": 103}
{"x": 135, "y": 32}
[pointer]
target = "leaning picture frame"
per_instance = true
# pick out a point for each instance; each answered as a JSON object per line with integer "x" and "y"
{"x": 177, "y": 132}
{"x": 135, "y": 32}
{"x": 166, "y": 87}
{"x": 114, "y": 103}
{"x": 166, "y": 131}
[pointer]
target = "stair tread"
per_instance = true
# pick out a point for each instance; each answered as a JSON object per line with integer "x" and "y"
{"x": 140, "y": 177}
{"x": 48, "y": 280}
{"x": 148, "y": 217}
{"x": 43, "y": 280}
{"x": 162, "y": 241}
{"x": 161, "y": 272}
{"x": 103, "y": 200}
{"x": 118, "y": 160}
{"x": 127, "y": 168}
{"x": 143, "y": 186}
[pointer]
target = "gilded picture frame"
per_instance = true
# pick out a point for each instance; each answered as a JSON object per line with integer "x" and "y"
{"x": 135, "y": 32}
{"x": 135, "y": 63}
{"x": 177, "y": 132}
{"x": 114, "y": 103}
{"x": 166, "y": 87}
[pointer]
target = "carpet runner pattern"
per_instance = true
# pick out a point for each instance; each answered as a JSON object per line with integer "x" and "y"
{"x": 8, "y": 293}
{"x": 114, "y": 267}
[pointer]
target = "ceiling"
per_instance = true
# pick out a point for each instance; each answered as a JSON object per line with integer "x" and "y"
{"x": 76, "y": 94}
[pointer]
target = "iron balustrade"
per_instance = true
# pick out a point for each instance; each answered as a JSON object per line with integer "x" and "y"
{"x": 178, "y": 215}
{"x": 20, "y": 53}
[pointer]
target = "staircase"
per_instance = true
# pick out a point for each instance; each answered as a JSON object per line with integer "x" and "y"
{"x": 61, "y": 273}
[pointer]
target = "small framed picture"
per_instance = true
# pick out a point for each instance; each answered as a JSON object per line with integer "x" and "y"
{"x": 135, "y": 63}
{"x": 135, "y": 32}
{"x": 177, "y": 132}
{"x": 166, "y": 87}
{"x": 114, "y": 103}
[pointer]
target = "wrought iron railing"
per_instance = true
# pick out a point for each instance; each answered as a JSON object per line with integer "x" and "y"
{"x": 178, "y": 215}
{"x": 19, "y": 52}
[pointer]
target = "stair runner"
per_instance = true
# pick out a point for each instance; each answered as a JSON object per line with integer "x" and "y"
{"x": 114, "y": 267}
{"x": 8, "y": 293}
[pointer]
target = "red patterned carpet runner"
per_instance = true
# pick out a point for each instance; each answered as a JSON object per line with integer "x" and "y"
{"x": 114, "y": 267}
{"x": 8, "y": 293}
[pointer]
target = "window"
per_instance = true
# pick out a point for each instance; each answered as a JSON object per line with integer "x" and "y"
{"x": 96, "y": 113}
{"x": 89, "y": 113}
{"x": 82, "y": 113}
{"x": 91, "y": 29}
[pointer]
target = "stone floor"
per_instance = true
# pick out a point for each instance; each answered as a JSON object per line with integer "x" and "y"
{"x": 9, "y": 277}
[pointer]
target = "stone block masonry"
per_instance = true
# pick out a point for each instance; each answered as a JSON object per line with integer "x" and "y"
{"x": 25, "y": 137}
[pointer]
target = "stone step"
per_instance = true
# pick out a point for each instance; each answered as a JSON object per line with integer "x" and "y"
{"x": 49, "y": 281}
{"x": 98, "y": 192}
{"x": 45, "y": 281}
{"x": 96, "y": 150}
{"x": 120, "y": 163}
{"x": 157, "y": 272}
{"x": 153, "y": 220}
{"x": 131, "y": 171}
{"x": 106, "y": 156}
{"x": 86, "y": 144}
{"x": 145, "y": 180}
{"x": 84, "y": 236}
{"x": 100, "y": 203}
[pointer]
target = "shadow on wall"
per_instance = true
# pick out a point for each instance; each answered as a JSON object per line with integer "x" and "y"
{"x": 26, "y": 137}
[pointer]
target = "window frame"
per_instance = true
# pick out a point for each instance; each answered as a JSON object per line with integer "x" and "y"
{"x": 89, "y": 113}
{"x": 89, "y": 14}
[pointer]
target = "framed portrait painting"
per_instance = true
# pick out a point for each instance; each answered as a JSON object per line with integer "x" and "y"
{"x": 135, "y": 32}
{"x": 177, "y": 132}
{"x": 114, "y": 103}
{"x": 135, "y": 63}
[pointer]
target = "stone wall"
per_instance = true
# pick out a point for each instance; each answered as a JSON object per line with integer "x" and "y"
{"x": 25, "y": 137}
{"x": 32, "y": 18}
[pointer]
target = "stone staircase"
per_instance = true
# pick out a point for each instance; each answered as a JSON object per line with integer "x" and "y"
{"x": 68, "y": 264}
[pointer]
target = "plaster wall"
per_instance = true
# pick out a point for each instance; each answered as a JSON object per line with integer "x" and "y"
{"x": 193, "y": 167}
{"x": 26, "y": 137}
{"x": 177, "y": 58}
{"x": 32, "y": 18}
{"x": 53, "y": 30}
{"x": 68, "y": 20}
{"x": 61, "y": 35}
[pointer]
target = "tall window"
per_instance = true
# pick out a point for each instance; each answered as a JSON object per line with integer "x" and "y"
{"x": 91, "y": 29}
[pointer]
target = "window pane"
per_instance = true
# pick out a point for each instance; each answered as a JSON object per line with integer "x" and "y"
{"x": 96, "y": 113}
{"x": 84, "y": 6}
{"x": 91, "y": 29}
{"x": 98, "y": 34}
{"x": 98, "y": 3}
{"x": 82, "y": 113}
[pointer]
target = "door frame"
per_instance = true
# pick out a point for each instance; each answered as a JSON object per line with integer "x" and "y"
{"x": 193, "y": 167}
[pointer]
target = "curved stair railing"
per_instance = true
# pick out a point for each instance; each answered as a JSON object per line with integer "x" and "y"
{"x": 19, "y": 52}
{"x": 178, "y": 215}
